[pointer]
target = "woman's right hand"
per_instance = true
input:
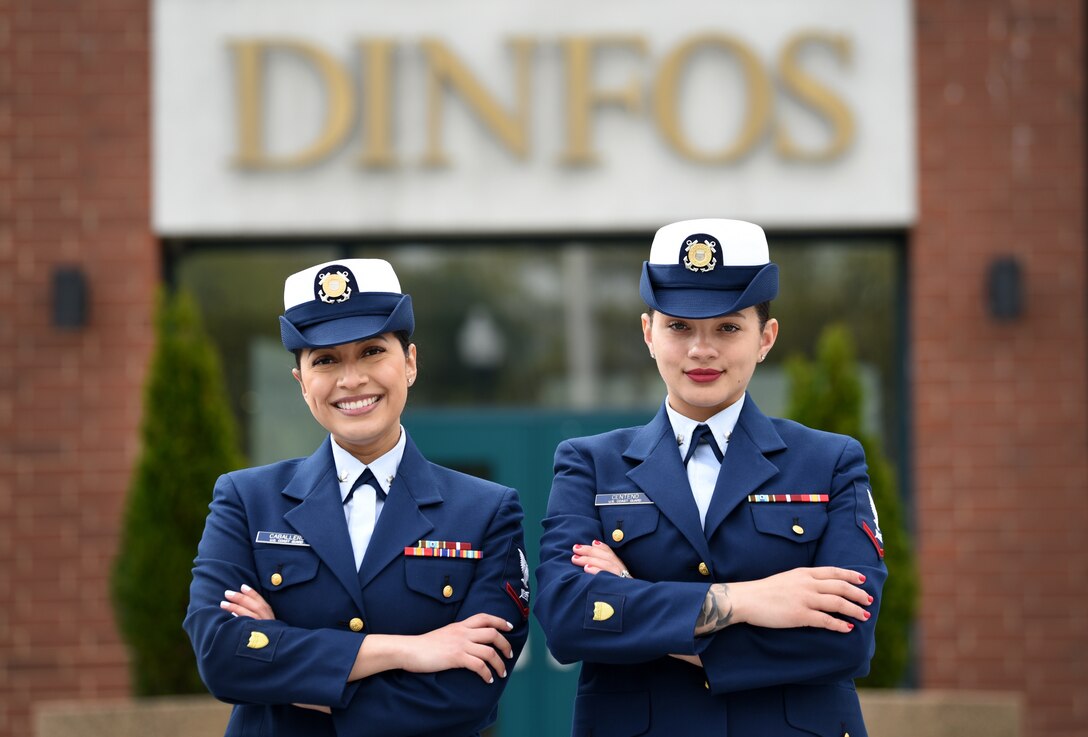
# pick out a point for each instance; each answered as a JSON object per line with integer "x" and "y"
{"x": 802, "y": 597}
{"x": 475, "y": 644}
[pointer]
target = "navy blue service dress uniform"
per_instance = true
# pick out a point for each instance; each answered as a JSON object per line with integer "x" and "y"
{"x": 629, "y": 489}
{"x": 281, "y": 529}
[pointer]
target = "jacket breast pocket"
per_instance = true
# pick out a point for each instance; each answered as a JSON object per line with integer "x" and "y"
{"x": 281, "y": 568}
{"x": 444, "y": 580}
{"x": 801, "y": 522}
{"x": 623, "y": 523}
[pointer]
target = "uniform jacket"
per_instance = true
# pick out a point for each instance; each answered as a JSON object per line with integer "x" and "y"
{"x": 755, "y": 682}
{"x": 305, "y": 654}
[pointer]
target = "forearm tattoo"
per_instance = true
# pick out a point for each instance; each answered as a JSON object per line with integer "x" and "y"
{"x": 717, "y": 612}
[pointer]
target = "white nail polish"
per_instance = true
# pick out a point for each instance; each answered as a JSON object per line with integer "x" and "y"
{"x": 224, "y": 604}
{"x": 246, "y": 588}
{"x": 228, "y": 593}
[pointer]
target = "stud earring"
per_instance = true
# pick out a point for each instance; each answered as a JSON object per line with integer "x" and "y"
{"x": 653, "y": 356}
{"x": 762, "y": 356}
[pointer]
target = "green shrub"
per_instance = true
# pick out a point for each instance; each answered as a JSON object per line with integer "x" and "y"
{"x": 188, "y": 438}
{"x": 827, "y": 394}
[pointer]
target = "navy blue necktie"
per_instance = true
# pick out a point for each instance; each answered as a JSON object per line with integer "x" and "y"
{"x": 366, "y": 477}
{"x": 703, "y": 434}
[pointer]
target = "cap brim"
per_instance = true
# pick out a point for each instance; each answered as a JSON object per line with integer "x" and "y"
{"x": 680, "y": 299}
{"x": 347, "y": 329}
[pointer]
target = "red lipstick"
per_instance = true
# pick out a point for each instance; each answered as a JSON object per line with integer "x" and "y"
{"x": 703, "y": 375}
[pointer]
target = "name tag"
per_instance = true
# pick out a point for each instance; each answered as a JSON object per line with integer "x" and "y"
{"x": 281, "y": 538}
{"x": 630, "y": 497}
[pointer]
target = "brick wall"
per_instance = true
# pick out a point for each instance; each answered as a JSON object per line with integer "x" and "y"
{"x": 1000, "y": 444}
{"x": 74, "y": 174}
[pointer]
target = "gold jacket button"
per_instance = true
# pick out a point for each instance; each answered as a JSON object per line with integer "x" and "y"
{"x": 447, "y": 591}
{"x": 617, "y": 535}
{"x": 356, "y": 624}
{"x": 798, "y": 530}
{"x": 703, "y": 569}
{"x": 706, "y": 685}
{"x": 276, "y": 579}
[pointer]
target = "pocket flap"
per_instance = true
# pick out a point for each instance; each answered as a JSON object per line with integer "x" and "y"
{"x": 628, "y": 522}
{"x": 612, "y": 714}
{"x": 801, "y": 522}
{"x": 281, "y": 567}
{"x": 442, "y": 579}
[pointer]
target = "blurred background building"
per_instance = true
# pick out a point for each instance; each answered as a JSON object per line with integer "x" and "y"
{"x": 919, "y": 168}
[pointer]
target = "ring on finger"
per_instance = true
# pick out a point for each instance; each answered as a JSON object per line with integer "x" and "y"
{"x": 625, "y": 573}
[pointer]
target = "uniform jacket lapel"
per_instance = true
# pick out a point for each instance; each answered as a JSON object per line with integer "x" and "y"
{"x": 660, "y": 473}
{"x": 746, "y": 466}
{"x": 319, "y": 517}
{"x": 403, "y": 520}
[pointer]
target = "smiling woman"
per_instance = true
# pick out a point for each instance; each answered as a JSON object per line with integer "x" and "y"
{"x": 362, "y": 588}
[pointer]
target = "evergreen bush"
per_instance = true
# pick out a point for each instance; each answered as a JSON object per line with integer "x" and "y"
{"x": 827, "y": 394}
{"x": 189, "y": 437}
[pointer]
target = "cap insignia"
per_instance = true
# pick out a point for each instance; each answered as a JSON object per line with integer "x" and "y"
{"x": 699, "y": 253}
{"x": 333, "y": 286}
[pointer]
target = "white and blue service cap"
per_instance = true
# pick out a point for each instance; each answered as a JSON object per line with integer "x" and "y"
{"x": 708, "y": 268}
{"x": 341, "y": 302}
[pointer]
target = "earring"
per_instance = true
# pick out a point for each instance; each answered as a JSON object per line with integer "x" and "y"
{"x": 653, "y": 356}
{"x": 762, "y": 356}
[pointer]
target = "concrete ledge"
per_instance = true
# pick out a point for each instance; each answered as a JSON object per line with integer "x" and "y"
{"x": 887, "y": 714}
{"x": 942, "y": 713}
{"x": 166, "y": 716}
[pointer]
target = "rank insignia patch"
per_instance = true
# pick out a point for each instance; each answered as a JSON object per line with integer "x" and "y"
{"x": 870, "y": 525}
{"x": 519, "y": 595}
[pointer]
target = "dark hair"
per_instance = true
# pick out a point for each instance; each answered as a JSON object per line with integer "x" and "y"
{"x": 402, "y": 336}
{"x": 763, "y": 312}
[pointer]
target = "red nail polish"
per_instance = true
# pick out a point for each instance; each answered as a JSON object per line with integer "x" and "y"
{"x": 850, "y": 625}
{"x": 862, "y": 578}
{"x": 870, "y": 600}
{"x": 867, "y": 615}
{"x": 596, "y": 542}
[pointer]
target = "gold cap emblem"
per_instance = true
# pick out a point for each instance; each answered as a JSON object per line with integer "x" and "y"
{"x": 699, "y": 253}
{"x": 257, "y": 640}
{"x": 602, "y": 611}
{"x": 334, "y": 286}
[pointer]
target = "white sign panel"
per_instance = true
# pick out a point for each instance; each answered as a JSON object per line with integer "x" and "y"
{"x": 309, "y": 117}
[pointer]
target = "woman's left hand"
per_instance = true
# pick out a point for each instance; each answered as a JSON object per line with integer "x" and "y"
{"x": 599, "y": 557}
{"x": 247, "y": 603}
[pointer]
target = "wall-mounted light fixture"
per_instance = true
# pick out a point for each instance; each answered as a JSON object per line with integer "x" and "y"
{"x": 69, "y": 297}
{"x": 1006, "y": 289}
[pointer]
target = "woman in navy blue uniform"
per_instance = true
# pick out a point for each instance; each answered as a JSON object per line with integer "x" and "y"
{"x": 717, "y": 571}
{"x": 362, "y": 590}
